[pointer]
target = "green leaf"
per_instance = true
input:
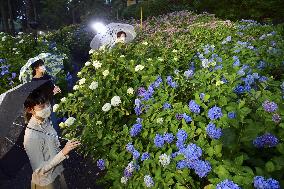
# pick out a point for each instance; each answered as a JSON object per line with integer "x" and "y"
{"x": 269, "y": 166}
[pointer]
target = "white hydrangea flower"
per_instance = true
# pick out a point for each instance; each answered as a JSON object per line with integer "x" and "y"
{"x": 115, "y": 101}
{"x": 145, "y": 43}
{"x": 55, "y": 107}
{"x": 205, "y": 63}
{"x": 160, "y": 59}
{"x": 14, "y": 49}
{"x": 130, "y": 91}
{"x": 88, "y": 63}
{"x": 160, "y": 120}
{"x": 99, "y": 123}
{"x": 122, "y": 56}
{"x": 70, "y": 121}
{"x": 82, "y": 81}
{"x": 218, "y": 83}
{"x": 76, "y": 87}
{"x": 164, "y": 159}
{"x": 17, "y": 52}
{"x": 102, "y": 48}
{"x": 105, "y": 73}
{"x": 123, "y": 180}
{"x": 79, "y": 73}
{"x": 91, "y": 51}
{"x": 106, "y": 107}
{"x": 21, "y": 41}
{"x": 4, "y": 38}
{"x": 62, "y": 125}
{"x": 97, "y": 64}
{"x": 63, "y": 99}
{"x": 139, "y": 67}
{"x": 94, "y": 85}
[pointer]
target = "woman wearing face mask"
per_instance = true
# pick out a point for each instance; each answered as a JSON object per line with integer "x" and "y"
{"x": 120, "y": 37}
{"x": 39, "y": 73}
{"x": 42, "y": 145}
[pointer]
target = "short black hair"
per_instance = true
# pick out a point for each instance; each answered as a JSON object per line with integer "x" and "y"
{"x": 120, "y": 33}
{"x": 36, "y": 64}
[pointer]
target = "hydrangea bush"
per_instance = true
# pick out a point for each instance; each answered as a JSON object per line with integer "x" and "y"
{"x": 194, "y": 102}
{"x": 16, "y": 51}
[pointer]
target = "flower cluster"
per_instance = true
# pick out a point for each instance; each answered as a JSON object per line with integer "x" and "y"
{"x": 171, "y": 83}
{"x": 227, "y": 184}
{"x": 269, "y": 106}
{"x": 213, "y": 132}
{"x": 215, "y": 113}
{"x": 267, "y": 139}
{"x": 101, "y": 164}
{"x": 136, "y": 128}
{"x": 259, "y": 182}
{"x": 148, "y": 181}
{"x": 194, "y": 107}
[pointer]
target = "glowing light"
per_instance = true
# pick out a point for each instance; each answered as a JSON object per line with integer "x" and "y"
{"x": 98, "y": 27}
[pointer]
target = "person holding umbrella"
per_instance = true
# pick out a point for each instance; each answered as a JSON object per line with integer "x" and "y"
{"x": 39, "y": 73}
{"x": 42, "y": 145}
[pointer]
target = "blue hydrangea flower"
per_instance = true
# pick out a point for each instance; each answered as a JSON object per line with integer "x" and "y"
{"x": 148, "y": 181}
{"x": 181, "y": 164}
{"x": 158, "y": 82}
{"x": 169, "y": 137}
{"x": 181, "y": 135}
{"x": 269, "y": 106}
{"x": 136, "y": 129}
{"x": 188, "y": 73}
{"x": 239, "y": 89}
{"x": 236, "y": 61}
{"x": 202, "y": 168}
{"x": 227, "y": 184}
{"x": 267, "y": 139}
{"x": 141, "y": 91}
{"x": 262, "y": 79}
{"x": 145, "y": 156}
{"x": 136, "y": 154}
{"x": 201, "y": 96}
{"x": 259, "y": 182}
{"x": 192, "y": 152}
{"x": 261, "y": 65}
{"x": 215, "y": 113}
{"x": 187, "y": 118}
{"x": 101, "y": 164}
{"x": 166, "y": 106}
{"x": 159, "y": 141}
{"x": 231, "y": 115}
{"x": 194, "y": 107}
{"x": 130, "y": 148}
{"x": 180, "y": 145}
{"x": 213, "y": 132}
{"x": 171, "y": 82}
{"x": 179, "y": 116}
{"x": 276, "y": 118}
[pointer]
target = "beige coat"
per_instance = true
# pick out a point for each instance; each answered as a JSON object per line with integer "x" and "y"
{"x": 43, "y": 152}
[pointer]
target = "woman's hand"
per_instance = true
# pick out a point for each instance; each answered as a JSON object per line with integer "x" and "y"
{"x": 56, "y": 90}
{"x": 70, "y": 145}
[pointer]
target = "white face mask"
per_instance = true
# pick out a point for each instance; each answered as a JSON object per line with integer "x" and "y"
{"x": 44, "y": 113}
{"x": 42, "y": 68}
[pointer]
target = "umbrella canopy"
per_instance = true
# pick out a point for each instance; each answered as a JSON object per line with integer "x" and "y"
{"x": 109, "y": 38}
{"x": 11, "y": 104}
{"x": 53, "y": 64}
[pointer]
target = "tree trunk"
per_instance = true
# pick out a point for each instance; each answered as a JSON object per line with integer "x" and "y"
{"x": 4, "y": 15}
{"x": 11, "y": 20}
{"x": 29, "y": 12}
